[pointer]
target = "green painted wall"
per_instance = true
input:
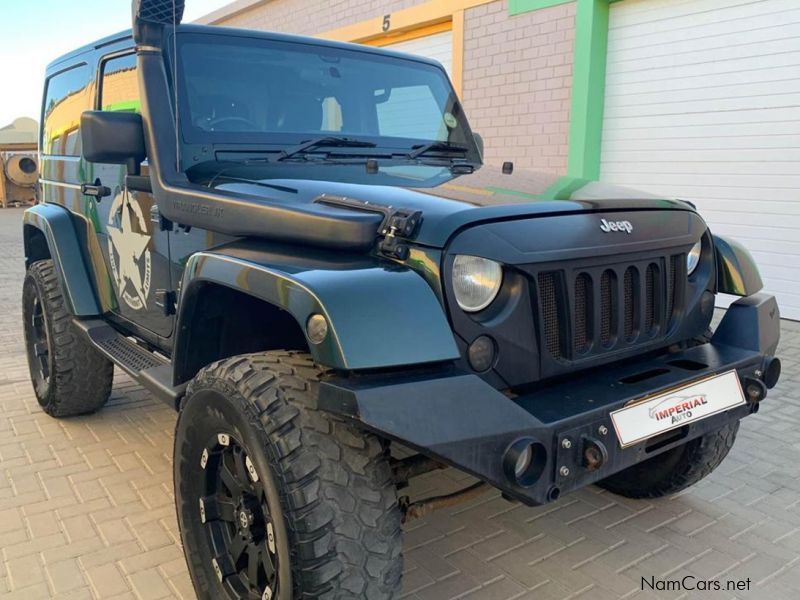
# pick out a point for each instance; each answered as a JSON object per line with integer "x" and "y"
{"x": 588, "y": 88}
{"x": 516, "y": 7}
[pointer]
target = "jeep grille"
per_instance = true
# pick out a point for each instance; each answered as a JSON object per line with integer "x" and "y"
{"x": 590, "y": 310}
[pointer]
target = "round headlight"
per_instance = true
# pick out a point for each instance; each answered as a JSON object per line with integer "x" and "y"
{"x": 476, "y": 282}
{"x": 693, "y": 258}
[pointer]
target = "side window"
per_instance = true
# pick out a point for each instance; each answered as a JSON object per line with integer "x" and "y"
{"x": 119, "y": 87}
{"x": 410, "y": 112}
{"x": 66, "y": 97}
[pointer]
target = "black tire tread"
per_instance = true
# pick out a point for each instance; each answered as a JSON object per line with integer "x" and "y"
{"x": 335, "y": 480}
{"x": 674, "y": 470}
{"x": 81, "y": 378}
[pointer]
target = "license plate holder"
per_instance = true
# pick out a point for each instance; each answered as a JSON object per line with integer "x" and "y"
{"x": 652, "y": 416}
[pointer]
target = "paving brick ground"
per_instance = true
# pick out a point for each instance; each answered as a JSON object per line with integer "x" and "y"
{"x": 86, "y": 505}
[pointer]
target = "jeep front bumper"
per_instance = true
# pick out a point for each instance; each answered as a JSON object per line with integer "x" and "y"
{"x": 459, "y": 419}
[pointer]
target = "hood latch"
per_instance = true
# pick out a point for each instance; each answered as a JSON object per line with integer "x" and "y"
{"x": 398, "y": 226}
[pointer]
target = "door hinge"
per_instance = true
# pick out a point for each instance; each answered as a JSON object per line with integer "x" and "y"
{"x": 166, "y": 300}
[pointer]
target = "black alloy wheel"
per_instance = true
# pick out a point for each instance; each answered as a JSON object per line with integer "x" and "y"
{"x": 237, "y": 521}
{"x": 37, "y": 342}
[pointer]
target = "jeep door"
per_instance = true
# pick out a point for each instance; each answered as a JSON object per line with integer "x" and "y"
{"x": 134, "y": 245}
{"x": 70, "y": 90}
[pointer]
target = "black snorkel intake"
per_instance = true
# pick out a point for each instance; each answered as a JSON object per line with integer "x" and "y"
{"x": 156, "y": 23}
{"x": 151, "y": 16}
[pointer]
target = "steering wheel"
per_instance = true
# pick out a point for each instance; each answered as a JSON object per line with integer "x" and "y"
{"x": 212, "y": 124}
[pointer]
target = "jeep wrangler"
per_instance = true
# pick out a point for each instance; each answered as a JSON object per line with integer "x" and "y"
{"x": 295, "y": 244}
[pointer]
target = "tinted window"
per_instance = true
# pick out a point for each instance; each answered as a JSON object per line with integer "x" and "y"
{"x": 120, "y": 87}
{"x": 410, "y": 111}
{"x": 253, "y": 90}
{"x": 68, "y": 95}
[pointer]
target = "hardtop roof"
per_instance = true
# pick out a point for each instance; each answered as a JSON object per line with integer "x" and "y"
{"x": 118, "y": 42}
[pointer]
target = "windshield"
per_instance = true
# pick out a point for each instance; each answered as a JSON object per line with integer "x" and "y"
{"x": 243, "y": 90}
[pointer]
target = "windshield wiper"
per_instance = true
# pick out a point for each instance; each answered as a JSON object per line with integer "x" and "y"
{"x": 331, "y": 141}
{"x": 449, "y": 147}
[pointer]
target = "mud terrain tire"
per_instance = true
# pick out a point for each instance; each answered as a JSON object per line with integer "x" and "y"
{"x": 70, "y": 377}
{"x": 327, "y": 488}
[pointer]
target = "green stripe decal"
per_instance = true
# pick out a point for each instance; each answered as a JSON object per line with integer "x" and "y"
{"x": 588, "y": 88}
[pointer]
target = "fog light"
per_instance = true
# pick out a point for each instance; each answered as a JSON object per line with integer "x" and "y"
{"x": 481, "y": 354}
{"x": 524, "y": 461}
{"x": 317, "y": 328}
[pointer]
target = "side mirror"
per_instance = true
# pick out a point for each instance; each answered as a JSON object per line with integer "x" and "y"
{"x": 478, "y": 142}
{"x": 113, "y": 137}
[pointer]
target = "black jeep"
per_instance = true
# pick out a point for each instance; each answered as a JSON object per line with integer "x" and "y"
{"x": 295, "y": 243}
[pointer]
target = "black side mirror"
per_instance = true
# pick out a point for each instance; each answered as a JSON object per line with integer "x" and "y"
{"x": 478, "y": 142}
{"x": 113, "y": 137}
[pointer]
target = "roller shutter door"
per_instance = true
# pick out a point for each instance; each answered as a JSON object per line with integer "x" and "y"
{"x": 438, "y": 46}
{"x": 703, "y": 103}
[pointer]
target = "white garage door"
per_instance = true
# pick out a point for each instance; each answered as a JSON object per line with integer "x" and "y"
{"x": 703, "y": 103}
{"x": 438, "y": 46}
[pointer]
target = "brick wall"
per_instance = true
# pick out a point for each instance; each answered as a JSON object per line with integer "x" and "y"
{"x": 517, "y": 70}
{"x": 310, "y": 17}
{"x": 517, "y": 82}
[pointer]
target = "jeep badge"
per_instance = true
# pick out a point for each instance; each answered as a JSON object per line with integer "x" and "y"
{"x": 609, "y": 226}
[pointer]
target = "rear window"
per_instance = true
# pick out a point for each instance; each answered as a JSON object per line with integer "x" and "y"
{"x": 67, "y": 95}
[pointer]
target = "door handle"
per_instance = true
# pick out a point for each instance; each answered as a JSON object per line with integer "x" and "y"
{"x": 96, "y": 190}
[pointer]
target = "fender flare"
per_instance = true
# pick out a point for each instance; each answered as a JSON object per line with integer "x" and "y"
{"x": 56, "y": 225}
{"x": 737, "y": 272}
{"x": 378, "y": 316}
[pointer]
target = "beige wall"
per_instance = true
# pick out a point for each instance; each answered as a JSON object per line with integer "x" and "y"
{"x": 309, "y": 17}
{"x": 517, "y": 71}
{"x": 517, "y": 82}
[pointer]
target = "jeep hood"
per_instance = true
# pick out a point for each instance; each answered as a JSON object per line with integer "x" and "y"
{"x": 484, "y": 196}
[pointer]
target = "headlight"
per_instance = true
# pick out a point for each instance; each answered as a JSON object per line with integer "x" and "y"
{"x": 476, "y": 282}
{"x": 693, "y": 258}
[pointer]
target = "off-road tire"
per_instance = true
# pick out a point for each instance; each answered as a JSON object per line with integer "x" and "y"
{"x": 338, "y": 520}
{"x": 676, "y": 469}
{"x": 80, "y": 378}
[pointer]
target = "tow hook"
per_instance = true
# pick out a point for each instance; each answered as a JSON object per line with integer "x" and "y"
{"x": 754, "y": 390}
{"x": 595, "y": 454}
